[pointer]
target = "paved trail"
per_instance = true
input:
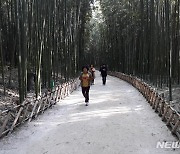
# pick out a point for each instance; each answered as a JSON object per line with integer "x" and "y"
{"x": 117, "y": 121}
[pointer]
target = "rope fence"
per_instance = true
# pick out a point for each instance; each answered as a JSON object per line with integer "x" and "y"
{"x": 170, "y": 116}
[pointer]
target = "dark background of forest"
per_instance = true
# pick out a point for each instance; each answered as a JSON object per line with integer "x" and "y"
{"x": 50, "y": 40}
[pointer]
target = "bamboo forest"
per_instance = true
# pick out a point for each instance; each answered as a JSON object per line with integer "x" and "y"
{"x": 45, "y": 43}
{"x": 53, "y": 39}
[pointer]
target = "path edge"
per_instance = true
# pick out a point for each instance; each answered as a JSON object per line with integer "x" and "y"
{"x": 169, "y": 115}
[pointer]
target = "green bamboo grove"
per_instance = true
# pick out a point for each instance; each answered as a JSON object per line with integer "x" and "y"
{"x": 141, "y": 38}
{"x": 44, "y": 37}
{"x": 54, "y": 38}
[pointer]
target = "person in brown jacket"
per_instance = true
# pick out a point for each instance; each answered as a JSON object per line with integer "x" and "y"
{"x": 86, "y": 79}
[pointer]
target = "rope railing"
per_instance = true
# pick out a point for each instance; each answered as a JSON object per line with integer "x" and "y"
{"x": 157, "y": 102}
{"x": 11, "y": 118}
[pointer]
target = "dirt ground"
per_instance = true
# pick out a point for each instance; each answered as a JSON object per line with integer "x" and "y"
{"x": 118, "y": 120}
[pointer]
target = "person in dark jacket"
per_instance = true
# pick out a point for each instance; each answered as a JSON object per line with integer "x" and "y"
{"x": 103, "y": 70}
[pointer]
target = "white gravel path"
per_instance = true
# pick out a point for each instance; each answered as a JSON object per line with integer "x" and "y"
{"x": 117, "y": 121}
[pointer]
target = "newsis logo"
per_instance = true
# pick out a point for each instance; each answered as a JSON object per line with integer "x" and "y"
{"x": 168, "y": 145}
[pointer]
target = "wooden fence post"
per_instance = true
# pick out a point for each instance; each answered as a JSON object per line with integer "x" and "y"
{"x": 5, "y": 123}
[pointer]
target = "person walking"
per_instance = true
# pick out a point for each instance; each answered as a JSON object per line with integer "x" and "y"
{"x": 85, "y": 79}
{"x": 92, "y": 70}
{"x": 103, "y": 70}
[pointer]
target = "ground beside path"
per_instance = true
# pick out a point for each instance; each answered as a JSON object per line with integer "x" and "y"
{"x": 118, "y": 120}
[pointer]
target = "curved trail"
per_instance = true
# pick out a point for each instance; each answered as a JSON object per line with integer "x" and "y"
{"x": 117, "y": 121}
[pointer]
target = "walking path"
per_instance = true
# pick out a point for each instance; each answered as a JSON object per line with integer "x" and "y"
{"x": 118, "y": 120}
